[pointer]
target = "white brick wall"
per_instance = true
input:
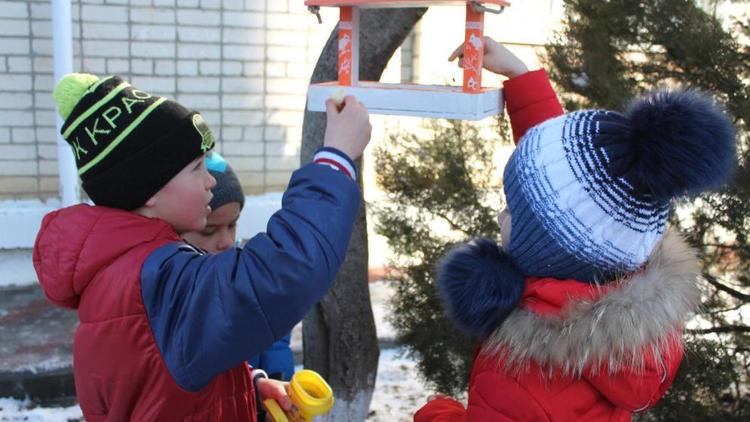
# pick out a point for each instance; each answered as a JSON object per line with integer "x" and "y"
{"x": 13, "y": 9}
{"x": 243, "y": 63}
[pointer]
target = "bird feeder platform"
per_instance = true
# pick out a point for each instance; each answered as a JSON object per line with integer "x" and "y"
{"x": 468, "y": 102}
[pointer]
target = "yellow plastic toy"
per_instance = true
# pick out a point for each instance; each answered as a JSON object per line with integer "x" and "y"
{"x": 311, "y": 396}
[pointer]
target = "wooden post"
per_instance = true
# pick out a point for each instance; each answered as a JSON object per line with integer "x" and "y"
{"x": 473, "y": 49}
{"x": 349, "y": 46}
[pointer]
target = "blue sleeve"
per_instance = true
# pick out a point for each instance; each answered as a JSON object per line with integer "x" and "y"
{"x": 209, "y": 313}
{"x": 277, "y": 360}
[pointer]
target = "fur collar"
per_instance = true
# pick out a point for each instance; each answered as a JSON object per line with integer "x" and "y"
{"x": 643, "y": 310}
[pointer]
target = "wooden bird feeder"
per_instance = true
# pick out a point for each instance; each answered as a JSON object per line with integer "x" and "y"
{"x": 468, "y": 102}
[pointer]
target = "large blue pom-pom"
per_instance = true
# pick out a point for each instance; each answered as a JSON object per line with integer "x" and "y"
{"x": 683, "y": 144}
{"x": 479, "y": 286}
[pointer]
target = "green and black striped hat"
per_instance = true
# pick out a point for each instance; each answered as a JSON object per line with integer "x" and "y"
{"x": 127, "y": 143}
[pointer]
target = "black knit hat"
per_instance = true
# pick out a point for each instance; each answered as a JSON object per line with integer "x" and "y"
{"x": 228, "y": 188}
{"x": 127, "y": 143}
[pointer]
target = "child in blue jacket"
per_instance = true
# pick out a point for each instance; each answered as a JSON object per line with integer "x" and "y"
{"x": 165, "y": 329}
{"x": 220, "y": 234}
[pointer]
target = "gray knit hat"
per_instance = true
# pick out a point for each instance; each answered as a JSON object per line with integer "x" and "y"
{"x": 228, "y": 188}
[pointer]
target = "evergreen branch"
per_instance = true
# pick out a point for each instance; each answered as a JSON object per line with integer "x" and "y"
{"x": 453, "y": 224}
{"x": 726, "y": 289}
{"x": 721, "y": 330}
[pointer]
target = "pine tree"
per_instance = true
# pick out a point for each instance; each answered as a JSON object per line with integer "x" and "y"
{"x": 444, "y": 180}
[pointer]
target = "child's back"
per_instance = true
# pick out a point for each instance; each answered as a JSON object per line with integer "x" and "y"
{"x": 579, "y": 312}
{"x": 119, "y": 371}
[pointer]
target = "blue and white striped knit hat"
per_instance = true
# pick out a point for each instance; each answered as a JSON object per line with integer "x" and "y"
{"x": 589, "y": 192}
{"x": 589, "y": 195}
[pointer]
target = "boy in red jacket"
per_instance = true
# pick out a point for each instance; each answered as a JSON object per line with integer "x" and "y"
{"x": 165, "y": 329}
{"x": 579, "y": 312}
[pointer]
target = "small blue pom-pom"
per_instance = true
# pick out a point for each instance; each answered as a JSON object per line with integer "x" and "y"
{"x": 479, "y": 286}
{"x": 682, "y": 143}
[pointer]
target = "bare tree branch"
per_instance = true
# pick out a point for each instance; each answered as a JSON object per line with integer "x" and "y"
{"x": 724, "y": 310}
{"x": 721, "y": 330}
{"x": 726, "y": 289}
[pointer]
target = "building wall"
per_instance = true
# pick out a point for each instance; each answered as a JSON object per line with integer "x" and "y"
{"x": 244, "y": 64}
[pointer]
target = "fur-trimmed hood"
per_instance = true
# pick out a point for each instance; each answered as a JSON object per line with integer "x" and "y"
{"x": 643, "y": 310}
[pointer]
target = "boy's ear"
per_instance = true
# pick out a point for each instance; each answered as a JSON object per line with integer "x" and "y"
{"x": 147, "y": 209}
{"x": 151, "y": 202}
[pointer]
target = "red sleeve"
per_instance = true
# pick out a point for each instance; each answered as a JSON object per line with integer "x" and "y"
{"x": 441, "y": 410}
{"x": 497, "y": 398}
{"x": 638, "y": 390}
{"x": 530, "y": 100}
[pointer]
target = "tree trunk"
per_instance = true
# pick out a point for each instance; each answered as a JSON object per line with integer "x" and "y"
{"x": 339, "y": 337}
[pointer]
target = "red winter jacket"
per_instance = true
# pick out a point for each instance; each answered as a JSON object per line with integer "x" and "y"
{"x": 117, "y": 376}
{"x": 529, "y": 100}
{"x": 569, "y": 353}
{"x": 572, "y": 351}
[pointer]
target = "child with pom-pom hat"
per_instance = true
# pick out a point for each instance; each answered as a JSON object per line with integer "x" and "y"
{"x": 579, "y": 312}
{"x": 166, "y": 329}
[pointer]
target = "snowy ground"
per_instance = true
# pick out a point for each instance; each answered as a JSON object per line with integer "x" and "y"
{"x": 18, "y": 410}
{"x": 398, "y": 393}
{"x": 398, "y": 390}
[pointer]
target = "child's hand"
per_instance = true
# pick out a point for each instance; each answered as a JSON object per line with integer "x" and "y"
{"x": 497, "y": 59}
{"x": 274, "y": 389}
{"x": 347, "y": 130}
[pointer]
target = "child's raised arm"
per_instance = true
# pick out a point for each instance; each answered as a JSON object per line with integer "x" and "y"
{"x": 529, "y": 97}
{"x": 202, "y": 307}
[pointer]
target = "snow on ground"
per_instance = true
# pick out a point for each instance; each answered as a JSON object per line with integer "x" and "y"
{"x": 399, "y": 391}
{"x": 20, "y": 410}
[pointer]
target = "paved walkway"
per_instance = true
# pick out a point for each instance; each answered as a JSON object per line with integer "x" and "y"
{"x": 36, "y": 352}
